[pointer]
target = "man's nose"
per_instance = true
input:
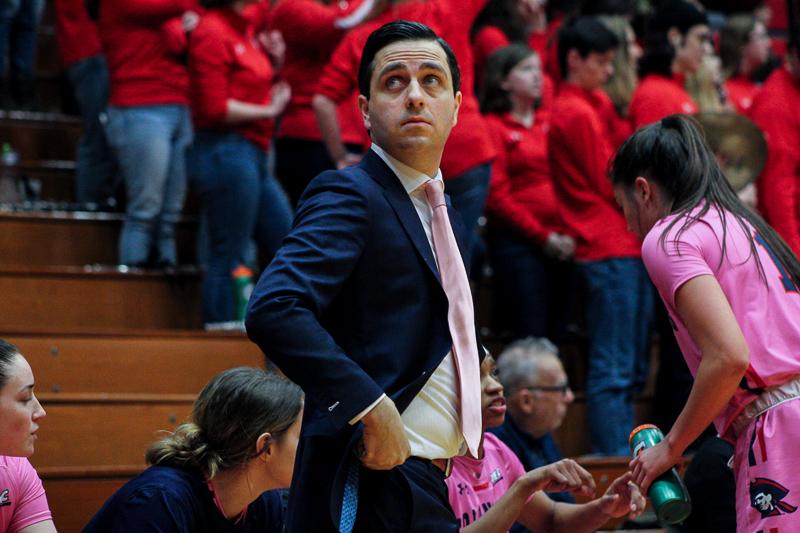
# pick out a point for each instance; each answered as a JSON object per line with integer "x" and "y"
{"x": 414, "y": 96}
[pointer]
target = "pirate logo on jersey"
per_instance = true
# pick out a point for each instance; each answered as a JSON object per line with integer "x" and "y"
{"x": 766, "y": 496}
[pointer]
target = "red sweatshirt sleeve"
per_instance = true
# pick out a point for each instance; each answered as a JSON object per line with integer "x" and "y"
{"x": 588, "y": 145}
{"x": 298, "y": 20}
{"x": 501, "y": 203}
{"x": 208, "y": 67}
{"x": 154, "y": 10}
{"x": 778, "y": 184}
{"x": 338, "y": 80}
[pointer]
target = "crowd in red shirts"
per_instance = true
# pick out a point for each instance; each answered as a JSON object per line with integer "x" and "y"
{"x": 263, "y": 79}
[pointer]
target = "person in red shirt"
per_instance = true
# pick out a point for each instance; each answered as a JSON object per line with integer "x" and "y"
{"x": 149, "y": 125}
{"x": 526, "y": 239}
{"x": 518, "y": 21}
{"x": 744, "y": 48}
{"x": 619, "y": 299}
{"x": 234, "y": 105}
{"x": 82, "y": 57}
{"x": 312, "y": 29}
{"x": 677, "y": 41}
{"x": 776, "y": 111}
{"x": 466, "y": 163}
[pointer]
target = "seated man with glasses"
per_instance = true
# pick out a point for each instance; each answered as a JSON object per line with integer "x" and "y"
{"x": 538, "y": 394}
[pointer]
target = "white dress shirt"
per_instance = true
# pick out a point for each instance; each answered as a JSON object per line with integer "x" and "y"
{"x": 431, "y": 420}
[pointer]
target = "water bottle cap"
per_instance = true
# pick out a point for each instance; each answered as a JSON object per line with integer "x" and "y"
{"x": 641, "y": 428}
{"x": 242, "y": 272}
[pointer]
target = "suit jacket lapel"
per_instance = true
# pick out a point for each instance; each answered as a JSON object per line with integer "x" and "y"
{"x": 402, "y": 206}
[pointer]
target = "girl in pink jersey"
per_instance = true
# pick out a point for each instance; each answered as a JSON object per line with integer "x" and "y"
{"x": 730, "y": 285}
{"x": 490, "y": 493}
{"x": 23, "y": 504}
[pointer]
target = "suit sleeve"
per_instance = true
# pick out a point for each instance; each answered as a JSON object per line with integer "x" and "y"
{"x": 330, "y": 232}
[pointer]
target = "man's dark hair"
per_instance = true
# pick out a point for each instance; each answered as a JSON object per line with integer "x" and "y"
{"x": 586, "y": 35}
{"x": 401, "y": 30}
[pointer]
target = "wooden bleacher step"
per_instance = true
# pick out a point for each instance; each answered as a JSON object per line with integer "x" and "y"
{"x": 40, "y": 136}
{"x": 99, "y": 297}
{"x": 127, "y": 362}
{"x": 76, "y": 238}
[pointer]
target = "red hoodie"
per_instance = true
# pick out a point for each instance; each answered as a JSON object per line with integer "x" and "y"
{"x": 142, "y": 68}
{"x": 580, "y": 150}
{"x": 225, "y": 62}
{"x": 76, "y": 32}
{"x": 776, "y": 111}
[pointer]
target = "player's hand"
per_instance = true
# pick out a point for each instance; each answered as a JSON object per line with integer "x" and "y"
{"x": 563, "y": 475}
{"x": 384, "y": 444}
{"x": 622, "y": 498}
{"x": 281, "y": 95}
{"x": 651, "y": 463}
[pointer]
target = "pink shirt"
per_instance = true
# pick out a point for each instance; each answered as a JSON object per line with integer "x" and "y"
{"x": 22, "y": 498}
{"x": 768, "y": 313}
{"x": 476, "y": 484}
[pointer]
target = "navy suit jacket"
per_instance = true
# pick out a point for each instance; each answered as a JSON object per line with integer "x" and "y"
{"x": 351, "y": 307}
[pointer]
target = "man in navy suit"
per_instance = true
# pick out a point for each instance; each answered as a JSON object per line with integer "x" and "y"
{"x": 353, "y": 310}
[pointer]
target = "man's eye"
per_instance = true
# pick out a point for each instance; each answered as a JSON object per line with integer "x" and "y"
{"x": 393, "y": 82}
{"x": 431, "y": 80}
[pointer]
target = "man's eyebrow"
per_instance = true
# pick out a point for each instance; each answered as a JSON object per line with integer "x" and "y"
{"x": 26, "y": 387}
{"x": 394, "y": 65}
{"x": 430, "y": 65}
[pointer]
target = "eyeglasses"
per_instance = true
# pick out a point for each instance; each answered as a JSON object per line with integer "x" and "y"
{"x": 563, "y": 388}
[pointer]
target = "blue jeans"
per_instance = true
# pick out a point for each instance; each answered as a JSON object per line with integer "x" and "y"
{"x": 533, "y": 292}
{"x": 19, "y": 20}
{"x": 96, "y": 167}
{"x": 619, "y": 314}
{"x": 239, "y": 201}
{"x": 150, "y": 144}
{"x": 468, "y": 193}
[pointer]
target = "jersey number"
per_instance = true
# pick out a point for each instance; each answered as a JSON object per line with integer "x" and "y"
{"x": 786, "y": 279}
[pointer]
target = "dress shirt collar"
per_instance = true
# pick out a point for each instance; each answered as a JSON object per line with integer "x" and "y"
{"x": 411, "y": 178}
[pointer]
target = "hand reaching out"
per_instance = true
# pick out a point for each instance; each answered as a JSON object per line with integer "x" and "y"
{"x": 623, "y": 497}
{"x": 563, "y": 475}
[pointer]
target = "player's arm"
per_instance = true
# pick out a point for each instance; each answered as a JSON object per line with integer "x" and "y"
{"x": 707, "y": 314}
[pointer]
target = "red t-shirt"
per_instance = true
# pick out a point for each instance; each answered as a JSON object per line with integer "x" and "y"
{"x": 521, "y": 192}
{"x": 469, "y": 144}
{"x": 310, "y": 31}
{"x": 226, "y": 62}
{"x": 580, "y": 149}
{"x": 657, "y": 97}
{"x": 77, "y": 34}
{"x": 741, "y": 93}
{"x": 776, "y": 111}
{"x": 143, "y": 69}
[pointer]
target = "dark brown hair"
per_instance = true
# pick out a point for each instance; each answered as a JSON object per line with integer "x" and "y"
{"x": 230, "y": 413}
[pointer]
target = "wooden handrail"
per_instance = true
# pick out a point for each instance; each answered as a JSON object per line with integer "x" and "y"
{"x": 121, "y": 333}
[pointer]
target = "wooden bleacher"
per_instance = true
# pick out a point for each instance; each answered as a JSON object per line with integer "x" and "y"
{"x": 118, "y": 354}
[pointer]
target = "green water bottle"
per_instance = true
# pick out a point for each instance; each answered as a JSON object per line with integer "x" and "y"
{"x": 668, "y": 493}
{"x": 242, "y": 289}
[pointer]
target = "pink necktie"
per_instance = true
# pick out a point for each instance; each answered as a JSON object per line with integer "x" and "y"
{"x": 460, "y": 316}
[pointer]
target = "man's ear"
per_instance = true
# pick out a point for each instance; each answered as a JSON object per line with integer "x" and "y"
{"x": 457, "y": 107}
{"x": 363, "y": 106}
